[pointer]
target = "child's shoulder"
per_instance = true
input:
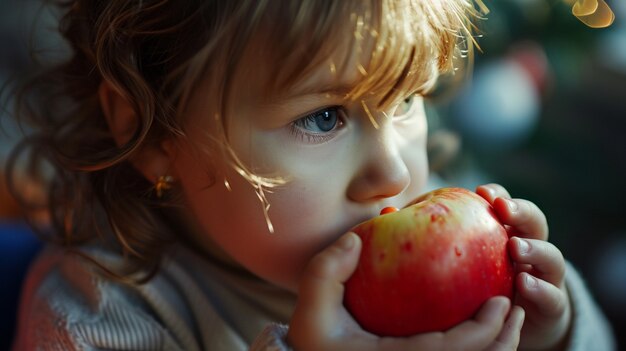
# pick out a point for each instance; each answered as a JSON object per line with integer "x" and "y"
{"x": 68, "y": 303}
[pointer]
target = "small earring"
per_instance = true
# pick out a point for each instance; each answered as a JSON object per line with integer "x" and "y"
{"x": 162, "y": 184}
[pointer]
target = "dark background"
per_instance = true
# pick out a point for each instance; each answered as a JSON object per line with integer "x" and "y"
{"x": 544, "y": 115}
{"x": 559, "y": 141}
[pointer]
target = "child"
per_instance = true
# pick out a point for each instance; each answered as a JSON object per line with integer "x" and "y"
{"x": 209, "y": 156}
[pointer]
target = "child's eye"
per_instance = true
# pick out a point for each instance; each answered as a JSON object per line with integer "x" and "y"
{"x": 322, "y": 121}
{"x": 405, "y": 106}
{"x": 318, "y": 126}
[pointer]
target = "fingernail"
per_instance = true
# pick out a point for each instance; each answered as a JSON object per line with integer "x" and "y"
{"x": 502, "y": 305}
{"x": 523, "y": 245}
{"x": 512, "y": 205}
{"x": 530, "y": 281}
{"x": 346, "y": 242}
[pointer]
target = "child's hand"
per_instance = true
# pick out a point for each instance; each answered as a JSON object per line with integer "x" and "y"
{"x": 321, "y": 322}
{"x": 540, "y": 287}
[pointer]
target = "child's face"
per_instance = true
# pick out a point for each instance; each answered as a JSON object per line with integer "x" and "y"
{"x": 341, "y": 168}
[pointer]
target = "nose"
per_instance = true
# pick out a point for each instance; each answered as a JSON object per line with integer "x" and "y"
{"x": 383, "y": 172}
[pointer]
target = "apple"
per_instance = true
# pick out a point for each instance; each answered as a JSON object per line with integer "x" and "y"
{"x": 430, "y": 265}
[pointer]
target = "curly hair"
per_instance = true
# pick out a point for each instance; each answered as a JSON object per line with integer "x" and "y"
{"x": 155, "y": 52}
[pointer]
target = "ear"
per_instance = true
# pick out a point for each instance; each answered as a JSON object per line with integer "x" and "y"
{"x": 151, "y": 160}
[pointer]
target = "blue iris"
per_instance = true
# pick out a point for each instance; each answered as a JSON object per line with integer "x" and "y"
{"x": 322, "y": 121}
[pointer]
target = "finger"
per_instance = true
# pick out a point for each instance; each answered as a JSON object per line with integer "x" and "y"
{"x": 524, "y": 216}
{"x": 480, "y": 332}
{"x": 324, "y": 276}
{"x": 546, "y": 259}
{"x": 510, "y": 334}
{"x": 547, "y": 299}
{"x": 320, "y": 293}
{"x": 492, "y": 191}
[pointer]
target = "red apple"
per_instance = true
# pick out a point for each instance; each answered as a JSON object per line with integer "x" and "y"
{"x": 430, "y": 265}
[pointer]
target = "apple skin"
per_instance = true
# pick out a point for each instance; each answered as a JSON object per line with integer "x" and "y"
{"x": 430, "y": 265}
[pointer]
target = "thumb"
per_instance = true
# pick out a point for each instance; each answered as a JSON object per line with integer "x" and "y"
{"x": 321, "y": 288}
{"x": 319, "y": 312}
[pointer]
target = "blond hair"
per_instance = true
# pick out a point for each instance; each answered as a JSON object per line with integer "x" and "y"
{"x": 155, "y": 53}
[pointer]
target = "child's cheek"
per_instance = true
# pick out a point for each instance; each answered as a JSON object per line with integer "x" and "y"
{"x": 305, "y": 222}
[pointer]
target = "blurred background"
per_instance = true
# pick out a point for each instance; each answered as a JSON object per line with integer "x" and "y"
{"x": 544, "y": 115}
{"x": 27, "y": 35}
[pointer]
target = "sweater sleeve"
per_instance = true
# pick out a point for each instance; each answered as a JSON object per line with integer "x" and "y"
{"x": 590, "y": 329}
{"x": 273, "y": 338}
{"x": 66, "y": 307}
